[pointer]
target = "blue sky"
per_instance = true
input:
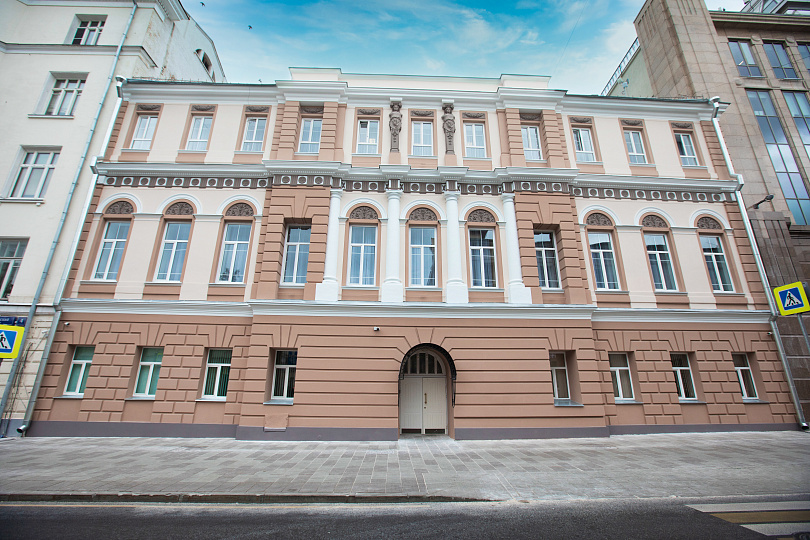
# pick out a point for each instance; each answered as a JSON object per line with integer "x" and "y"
{"x": 578, "y": 43}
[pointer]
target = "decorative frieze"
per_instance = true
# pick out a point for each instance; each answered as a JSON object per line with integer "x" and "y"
{"x": 480, "y": 216}
{"x": 257, "y": 109}
{"x": 423, "y": 214}
{"x": 682, "y": 125}
{"x": 422, "y": 114}
{"x": 368, "y": 112}
{"x": 180, "y": 209}
{"x": 708, "y": 223}
{"x": 203, "y": 108}
{"x": 184, "y": 182}
{"x": 312, "y": 109}
{"x": 120, "y": 207}
{"x": 474, "y": 115}
{"x": 633, "y": 123}
{"x": 649, "y": 194}
{"x": 530, "y": 117}
{"x": 363, "y": 212}
{"x": 148, "y": 107}
{"x": 581, "y": 120}
{"x": 653, "y": 221}
{"x": 240, "y": 210}
{"x": 598, "y": 219}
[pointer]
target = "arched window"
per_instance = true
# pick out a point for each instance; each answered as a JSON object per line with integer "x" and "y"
{"x": 601, "y": 239}
{"x": 711, "y": 242}
{"x": 362, "y": 246}
{"x": 657, "y": 242}
{"x": 481, "y": 231}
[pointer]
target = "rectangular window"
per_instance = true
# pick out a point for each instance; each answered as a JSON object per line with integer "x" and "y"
{"x": 635, "y": 147}
{"x": 310, "y": 135}
{"x": 254, "y": 134}
{"x": 284, "y": 375}
{"x": 173, "y": 252}
{"x": 64, "y": 96}
{"x": 531, "y": 142}
{"x": 362, "y": 254}
{"x": 296, "y": 255}
{"x": 144, "y": 131}
{"x": 368, "y": 132}
{"x": 423, "y": 257}
{"x": 148, "y": 372}
{"x": 559, "y": 376}
{"x": 474, "y": 142}
{"x": 35, "y": 174}
{"x": 235, "y": 248}
{"x": 804, "y": 51}
{"x": 620, "y": 375}
{"x": 780, "y": 62}
{"x": 800, "y": 111}
{"x": 660, "y": 262}
{"x": 546, "y": 251}
{"x": 88, "y": 32}
{"x": 746, "y": 65}
{"x": 782, "y": 159}
{"x": 686, "y": 150}
{"x": 112, "y": 250}
{"x": 744, "y": 376}
{"x": 11, "y": 254}
{"x": 217, "y": 370}
{"x": 583, "y": 145}
{"x": 79, "y": 367}
{"x": 482, "y": 257}
{"x": 198, "y": 135}
{"x": 716, "y": 263}
{"x": 683, "y": 376}
{"x": 604, "y": 263}
{"x": 422, "y": 138}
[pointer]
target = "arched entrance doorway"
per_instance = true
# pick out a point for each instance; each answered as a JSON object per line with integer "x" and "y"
{"x": 424, "y": 375}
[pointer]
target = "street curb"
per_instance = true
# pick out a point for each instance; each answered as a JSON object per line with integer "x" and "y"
{"x": 227, "y": 498}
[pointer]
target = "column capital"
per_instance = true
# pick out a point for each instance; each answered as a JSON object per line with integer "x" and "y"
{"x": 451, "y": 195}
{"x": 336, "y": 193}
{"x": 507, "y": 197}
{"x": 393, "y": 193}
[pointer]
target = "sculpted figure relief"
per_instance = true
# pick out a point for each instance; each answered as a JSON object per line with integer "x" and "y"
{"x": 395, "y": 125}
{"x": 449, "y": 125}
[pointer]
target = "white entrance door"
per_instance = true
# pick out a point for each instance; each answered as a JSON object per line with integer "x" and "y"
{"x": 410, "y": 404}
{"x": 423, "y": 404}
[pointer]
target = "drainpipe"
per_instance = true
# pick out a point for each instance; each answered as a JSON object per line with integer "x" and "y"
{"x": 46, "y": 352}
{"x": 760, "y": 266}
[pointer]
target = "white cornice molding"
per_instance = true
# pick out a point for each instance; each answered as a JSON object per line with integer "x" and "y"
{"x": 657, "y": 183}
{"x": 77, "y": 50}
{"x": 148, "y": 91}
{"x": 179, "y": 169}
{"x": 666, "y": 109}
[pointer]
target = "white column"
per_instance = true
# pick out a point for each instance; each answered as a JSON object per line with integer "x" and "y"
{"x": 392, "y": 290}
{"x": 456, "y": 288}
{"x": 329, "y": 289}
{"x": 516, "y": 289}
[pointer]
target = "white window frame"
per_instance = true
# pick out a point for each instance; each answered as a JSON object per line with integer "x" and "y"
{"x": 559, "y": 375}
{"x": 253, "y": 138}
{"x": 81, "y": 366}
{"x": 532, "y": 149}
{"x": 12, "y": 252}
{"x": 475, "y": 140}
{"x": 308, "y": 138}
{"x": 366, "y": 251}
{"x": 111, "y": 251}
{"x": 600, "y": 254}
{"x": 620, "y": 374}
{"x": 148, "y": 372}
{"x": 199, "y": 132}
{"x": 583, "y": 145}
{"x": 544, "y": 256}
{"x": 634, "y": 141}
{"x": 717, "y": 265}
{"x": 64, "y": 96}
{"x": 686, "y": 150}
{"x": 144, "y": 132}
{"x": 173, "y": 245}
{"x": 216, "y": 370}
{"x": 661, "y": 264}
{"x": 90, "y": 31}
{"x": 419, "y": 147}
{"x": 420, "y": 271}
{"x": 743, "y": 368}
{"x": 478, "y": 258}
{"x": 293, "y": 250}
{"x": 34, "y": 173}
{"x": 234, "y": 252}
{"x": 284, "y": 373}
{"x": 366, "y": 143}
{"x": 681, "y": 379}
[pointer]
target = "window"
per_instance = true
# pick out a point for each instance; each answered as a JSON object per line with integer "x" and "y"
{"x": 284, "y": 375}
{"x": 173, "y": 253}
{"x": 744, "y": 376}
{"x": 310, "y": 136}
{"x": 546, "y": 251}
{"x": 64, "y": 96}
{"x": 235, "y": 248}
{"x": 296, "y": 255}
{"x": 254, "y": 134}
{"x": 660, "y": 262}
{"x": 422, "y": 138}
{"x": 635, "y": 147}
{"x": 79, "y": 367}
{"x": 804, "y": 51}
{"x": 778, "y": 57}
{"x": 362, "y": 254}
{"x": 11, "y": 254}
{"x": 787, "y": 171}
{"x": 34, "y": 176}
{"x": 620, "y": 375}
{"x": 148, "y": 372}
{"x": 423, "y": 257}
{"x": 716, "y": 263}
{"x": 531, "y": 142}
{"x": 112, "y": 250}
{"x": 800, "y": 111}
{"x": 474, "y": 143}
{"x": 198, "y": 135}
{"x": 482, "y": 257}
{"x": 683, "y": 376}
{"x": 88, "y": 32}
{"x": 144, "y": 131}
{"x": 368, "y": 132}
{"x": 746, "y": 65}
{"x": 559, "y": 376}
{"x": 604, "y": 263}
{"x": 583, "y": 144}
{"x": 686, "y": 149}
{"x": 217, "y": 370}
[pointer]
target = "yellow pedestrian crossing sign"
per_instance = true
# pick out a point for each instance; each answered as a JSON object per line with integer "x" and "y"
{"x": 791, "y": 298}
{"x": 10, "y": 341}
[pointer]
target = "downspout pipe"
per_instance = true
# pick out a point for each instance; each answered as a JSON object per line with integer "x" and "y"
{"x": 57, "y": 236}
{"x": 715, "y": 101}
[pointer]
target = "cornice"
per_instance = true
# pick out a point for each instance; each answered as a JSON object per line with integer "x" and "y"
{"x": 76, "y": 50}
{"x": 178, "y": 169}
{"x": 648, "y": 108}
{"x": 653, "y": 182}
{"x": 762, "y": 21}
{"x": 149, "y": 91}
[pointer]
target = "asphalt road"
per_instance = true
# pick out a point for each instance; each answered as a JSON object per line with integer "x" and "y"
{"x": 620, "y": 519}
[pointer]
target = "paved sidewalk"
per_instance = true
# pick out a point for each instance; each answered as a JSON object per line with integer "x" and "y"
{"x": 431, "y": 468}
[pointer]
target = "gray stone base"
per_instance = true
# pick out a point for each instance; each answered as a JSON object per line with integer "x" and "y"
{"x": 698, "y": 428}
{"x": 486, "y": 434}
{"x": 317, "y": 434}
